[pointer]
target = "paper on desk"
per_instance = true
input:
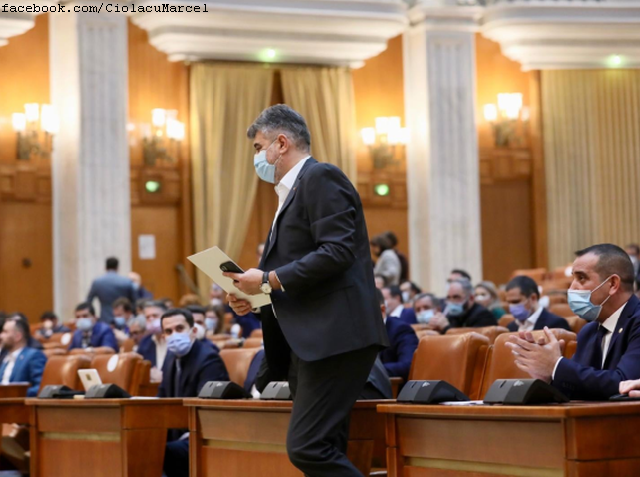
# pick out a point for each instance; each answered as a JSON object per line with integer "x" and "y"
{"x": 209, "y": 262}
{"x": 463, "y": 403}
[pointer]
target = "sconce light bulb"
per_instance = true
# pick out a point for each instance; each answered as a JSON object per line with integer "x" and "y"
{"x": 158, "y": 117}
{"x": 368, "y": 136}
{"x": 19, "y": 121}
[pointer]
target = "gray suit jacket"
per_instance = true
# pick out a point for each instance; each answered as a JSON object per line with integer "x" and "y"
{"x": 108, "y": 288}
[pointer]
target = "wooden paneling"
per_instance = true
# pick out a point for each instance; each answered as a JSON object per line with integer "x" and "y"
{"x": 159, "y": 275}
{"x": 26, "y": 271}
{"x": 155, "y": 82}
{"x": 24, "y": 78}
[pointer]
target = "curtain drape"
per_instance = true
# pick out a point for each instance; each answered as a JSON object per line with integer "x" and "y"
{"x": 225, "y": 100}
{"x": 324, "y": 96}
{"x": 591, "y": 125}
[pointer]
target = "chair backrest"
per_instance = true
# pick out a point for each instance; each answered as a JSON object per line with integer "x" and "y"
{"x": 505, "y": 320}
{"x": 141, "y": 377}
{"x": 561, "y": 309}
{"x": 537, "y": 274}
{"x": 570, "y": 350}
{"x": 93, "y": 351}
{"x": 117, "y": 369}
{"x": 557, "y": 298}
{"x": 491, "y": 332}
{"x": 257, "y": 333}
{"x": 253, "y": 343}
{"x": 575, "y": 323}
{"x": 64, "y": 370}
{"x": 49, "y": 352}
{"x": 127, "y": 345}
{"x": 237, "y": 362}
{"x": 422, "y": 333}
{"x": 48, "y": 345}
{"x": 502, "y": 364}
{"x": 452, "y": 358}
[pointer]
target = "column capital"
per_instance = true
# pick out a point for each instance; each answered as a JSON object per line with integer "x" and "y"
{"x": 446, "y": 15}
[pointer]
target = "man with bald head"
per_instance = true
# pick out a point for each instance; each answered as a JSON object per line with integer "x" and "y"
{"x": 608, "y": 347}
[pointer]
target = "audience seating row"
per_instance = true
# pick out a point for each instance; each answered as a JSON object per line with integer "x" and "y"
{"x": 470, "y": 361}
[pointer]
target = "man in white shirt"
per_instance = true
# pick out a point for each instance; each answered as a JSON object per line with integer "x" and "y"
{"x": 609, "y": 347}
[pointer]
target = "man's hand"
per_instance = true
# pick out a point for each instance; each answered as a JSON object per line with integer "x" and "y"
{"x": 248, "y": 282}
{"x": 438, "y": 322}
{"x": 630, "y": 387}
{"x": 240, "y": 307}
{"x": 536, "y": 358}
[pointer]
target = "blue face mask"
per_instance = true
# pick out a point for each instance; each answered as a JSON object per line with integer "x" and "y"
{"x": 580, "y": 303}
{"x": 84, "y": 324}
{"x": 120, "y": 321}
{"x": 210, "y": 323}
{"x": 424, "y": 316}
{"x": 454, "y": 309}
{"x": 519, "y": 312}
{"x": 265, "y": 171}
{"x": 179, "y": 343}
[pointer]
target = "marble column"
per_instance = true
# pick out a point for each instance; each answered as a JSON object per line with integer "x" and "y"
{"x": 90, "y": 164}
{"x": 442, "y": 158}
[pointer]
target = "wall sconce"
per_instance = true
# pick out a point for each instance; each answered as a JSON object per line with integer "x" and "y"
{"x": 161, "y": 139}
{"x": 35, "y": 129}
{"x": 383, "y": 140}
{"x": 504, "y": 118}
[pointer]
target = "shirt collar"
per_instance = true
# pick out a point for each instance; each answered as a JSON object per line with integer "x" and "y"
{"x": 536, "y": 314}
{"x": 397, "y": 312}
{"x": 14, "y": 354}
{"x": 286, "y": 183}
{"x": 611, "y": 322}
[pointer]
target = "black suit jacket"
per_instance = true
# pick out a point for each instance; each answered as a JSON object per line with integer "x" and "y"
{"x": 319, "y": 249}
{"x": 545, "y": 319}
{"x": 475, "y": 317}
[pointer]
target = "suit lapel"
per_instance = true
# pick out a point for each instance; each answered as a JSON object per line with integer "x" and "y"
{"x": 17, "y": 367}
{"x": 273, "y": 234}
{"x": 620, "y": 326}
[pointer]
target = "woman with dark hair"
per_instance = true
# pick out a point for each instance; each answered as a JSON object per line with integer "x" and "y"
{"x": 387, "y": 261}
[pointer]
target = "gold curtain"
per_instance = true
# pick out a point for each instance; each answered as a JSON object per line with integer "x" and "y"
{"x": 225, "y": 100}
{"x": 324, "y": 96}
{"x": 592, "y": 158}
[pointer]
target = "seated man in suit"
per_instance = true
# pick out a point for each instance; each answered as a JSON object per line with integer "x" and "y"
{"x": 395, "y": 304}
{"x": 137, "y": 330}
{"x": 461, "y": 310}
{"x": 425, "y": 306}
{"x": 31, "y": 341}
{"x": 50, "y": 325}
{"x": 189, "y": 365}
{"x": 609, "y": 347}
{"x": 403, "y": 343}
{"x": 153, "y": 347}
{"x": 21, "y": 363}
{"x": 523, "y": 298}
{"x": 91, "y": 333}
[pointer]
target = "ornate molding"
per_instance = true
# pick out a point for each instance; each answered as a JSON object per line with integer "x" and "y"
{"x": 13, "y": 24}
{"x": 565, "y": 34}
{"x": 334, "y": 32}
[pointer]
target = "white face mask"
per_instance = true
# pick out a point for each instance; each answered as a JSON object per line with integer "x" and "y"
{"x": 199, "y": 331}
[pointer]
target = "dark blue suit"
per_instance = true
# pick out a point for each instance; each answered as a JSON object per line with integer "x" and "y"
{"x": 201, "y": 365}
{"x": 408, "y": 316}
{"x": 545, "y": 319}
{"x": 403, "y": 343}
{"x": 101, "y": 335}
{"x": 108, "y": 288}
{"x": 254, "y": 368}
{"x": 248, "y": 323}
{"x": 582, "y": 377}
{"x": 28, "y": 368}
{"x": 147, "y": 349}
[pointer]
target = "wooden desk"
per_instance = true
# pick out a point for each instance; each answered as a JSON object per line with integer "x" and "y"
{"x": 102, "y": 437}
{"x": 248, "y": 437}
{"x": 576, "y": 440}
{"x": 14, "y": 390}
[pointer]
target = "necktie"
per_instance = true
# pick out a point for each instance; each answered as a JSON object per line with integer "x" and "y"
{"x": 176, "y": 382}
{"x": 596, "y": 358}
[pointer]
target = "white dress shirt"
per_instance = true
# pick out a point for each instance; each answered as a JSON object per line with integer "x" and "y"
{"x": 610, "y": 324}
{"x": 284, "y": 187}
{"x": 161, "y": 350}
{"x": 530, "y": 323}
{"x": 397, "y": 313}
{"x": 11, "y": 361}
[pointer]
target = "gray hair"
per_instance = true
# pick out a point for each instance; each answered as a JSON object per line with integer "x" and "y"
{"x": 138, "y": 320}
{"x": 466, "y": 285}
{"x": 431, "y": 296}
{"x": 281, "y": 119}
